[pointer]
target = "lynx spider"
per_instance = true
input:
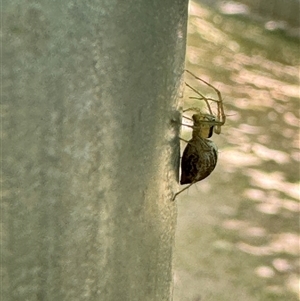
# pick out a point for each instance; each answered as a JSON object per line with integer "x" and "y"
{"x": 200, "y": 155}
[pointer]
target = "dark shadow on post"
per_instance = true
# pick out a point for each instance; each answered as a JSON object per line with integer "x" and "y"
{"x": 89, "y": 94}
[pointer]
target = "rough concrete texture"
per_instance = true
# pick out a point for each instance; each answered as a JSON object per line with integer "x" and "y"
{"x": 90, "y": 89}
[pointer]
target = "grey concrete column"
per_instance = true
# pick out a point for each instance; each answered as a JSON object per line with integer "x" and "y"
{"x": 90, "y": 152}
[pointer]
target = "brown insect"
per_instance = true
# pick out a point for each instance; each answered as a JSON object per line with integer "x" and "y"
{"x": 201, "y": 154}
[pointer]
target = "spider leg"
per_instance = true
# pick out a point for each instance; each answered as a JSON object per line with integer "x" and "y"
{"x": 186, "y": 117}
{"x": 185, "y": 188}
{"x": 187, "y": 125}
{"x": 197, "y": 110}
{"x": 186, "y": 141}
{"x": 202, "y": 98}
{"x": 221, "y": 113}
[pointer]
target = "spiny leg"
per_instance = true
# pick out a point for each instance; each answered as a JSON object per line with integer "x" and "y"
{"x": 221, "y": 113}
{"x": 206, "y": 99}
{"x": 204, "y": 117}
{"x": 185, "y": 188}
{"x": 202, "y": 97}
{"x": 186, "y": 117}
{"x": 186, "y": 141}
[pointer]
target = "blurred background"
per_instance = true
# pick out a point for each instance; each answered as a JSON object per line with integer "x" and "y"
{"x": 238, "y": 230}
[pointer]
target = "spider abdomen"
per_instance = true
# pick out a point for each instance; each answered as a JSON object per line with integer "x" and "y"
{"x": 198, "y": 160}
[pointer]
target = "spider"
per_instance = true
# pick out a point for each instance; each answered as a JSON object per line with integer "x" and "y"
{"x": 201, "y": 154}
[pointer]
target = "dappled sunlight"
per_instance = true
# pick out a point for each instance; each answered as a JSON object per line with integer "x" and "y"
{"x": 249, "y": 129}
{"x": 232, "y": 8}
{"x": 238, "y": 159}
{"x": 290, "y": 119}
{"x": 197, "y": 10}
{"x": 287, "y": 243}
{"x": 264, "y": 272}
{"x": 282, "y": 265}
{"x": 266, "y": 153}
{"x": 208, "y": 32}
{"x": 293, "y": 283}
{"x": 273, "y": 181}
{"x": 260, "y": 81}
{"x": 244, "y": 218}
{"x": 258, "y": 62}
{"x": 244, "y": 228}
{"x": 270, "y": 198}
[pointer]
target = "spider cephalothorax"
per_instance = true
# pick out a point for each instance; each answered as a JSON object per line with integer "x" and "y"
{"x": 201, "y": 154}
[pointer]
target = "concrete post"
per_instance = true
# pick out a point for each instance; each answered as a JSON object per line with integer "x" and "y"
{"x": 89, "y": 92}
